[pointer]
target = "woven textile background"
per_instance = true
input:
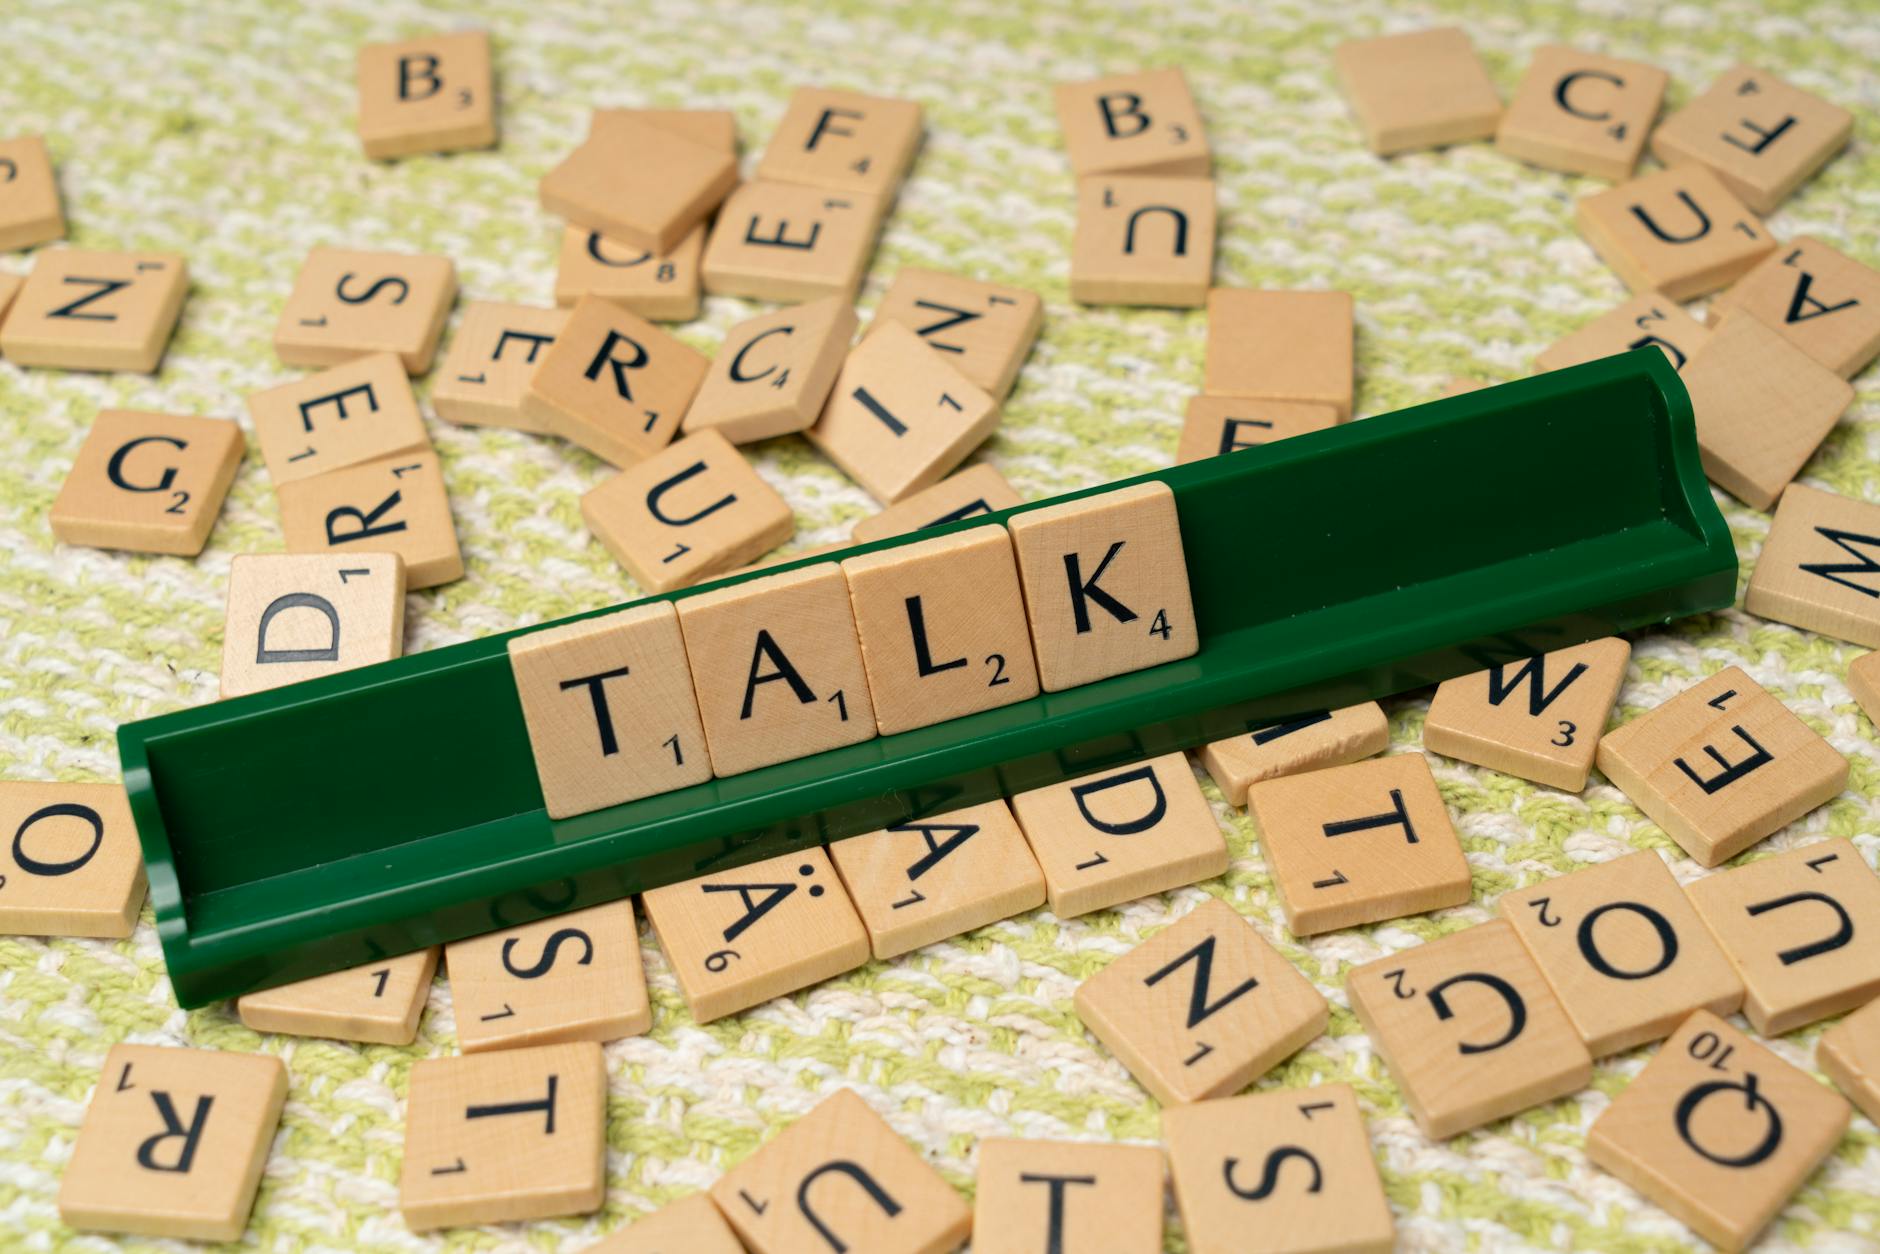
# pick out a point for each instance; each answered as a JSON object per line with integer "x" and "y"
{"x": 224, "y": 131}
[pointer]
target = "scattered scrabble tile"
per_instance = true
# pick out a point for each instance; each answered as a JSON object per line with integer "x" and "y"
{"x": 1762, "y": 137}
{"x": 613, "y": 383}
{"x": 1287, "y": 1172}
{"x": 984, "y": 329}
{"x": 10, "y": 285}
{"x": 347, "y": 305}
{"x": 1215, "y": 425}
{"x": 933, "y": 878}
{"x": 842, "y": 140}
{"x": 432, "y": 94}
{"x": 966, "y": 493}
{"x": 173, "y": 1143}
{"x": 691, "y": 1224}
{"x": 942, "y": 626}
{"x": 84, "y": 310}
{"x": 1721, "y": 765}
{"x": 777, "y": 668}
{"x": 639, "y": 184}
{"x": 790, "y": 242}
{"x": 1359, "y": 844}
{"x": 359, "y": 412}
{"x": 1582, "y": 113}
{"x": 663, "y": 287}
{"x": 1106, "y": 586}
{"x": 151, "y": 483}
{"x": 773, "y": 372}
{"x": 1802, "y": 927}
{"x": 1294, "y": 346}
{"x": 1424, "y": 89}
{"x": 1678, "y": 232}
{"x": 609, "y": 708}
{"x": 1849, "y": 1052}
{"x": 1648, "y": 318}
{"x": 714, "y": 128}
{"x": 1817, "y": 568}
{"x": 1624, "y": 951}
{"x": 378, "y": 1003}
{"x": 1139, "y": 124}
{"x": 1118, "y": 835}
{"x": 1863, "y": 680}
{"x": 1821, "y": 300}
{"x": 1457, "y": 385}
{"x": 1538, "y": 718}
{"x": 1309, "y": 742}
{"x": 1032, "y": 1195}
{"x": 29, "y": 195}
{"x": 393, "y": 505}
{"x": 1143, "y": 241}
{"x": 1762, "y": 405}
{"x": 840, "y": 1179}
{"x": 511, "y": 1134}
{"x": 71, "y": 864}
{"x": 691, "y": 511}
{"x": 900, "y": 417}
{"x": 490, "y": 362}
{"x": 573, "y": 977}
{"x": 1470, "y": 1029}
{"x": 1203, "y": 1008}
{"x": 1717, "y": 1130}
{"x": 297, "y": 616}
{"x": 737, "y": 938}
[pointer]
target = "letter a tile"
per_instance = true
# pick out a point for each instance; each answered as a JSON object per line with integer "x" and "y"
{"x": 1143, "y": 241}
{"x": 1310, "y": 742}
{"x": 70, "y": 864}
{"x": 379, "y": 1003}
{"x": 347, "y": 305}
{"x": 1678, "y": 232}
{"x": 573, "y": 977}
{"x": 394, "y": 505}
{"x": 1849, "y": 1052}
{"x": 1139, "y": 124}
{"x": 435, "y": 93}
{"x": 299, "y": 616}
{"x": 1819, "y": 299}
{"x": 1538, "y": 718}
{"x": 1034, "y": 1195}
{"x": 613, "y": 383}
{"x": 1817, "y": 569}
{"x": 358, "y": 412}
{"x": 1761, "y": 136}
{"x": 83, "y": 310}
{"x": 150, "y": 483}
{"x": 691, "y": 1225}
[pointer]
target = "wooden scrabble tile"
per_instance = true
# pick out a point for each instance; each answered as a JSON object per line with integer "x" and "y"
{"x": 298, "y": 616}
{"x": 1762, "y": 405}
{"x": 1648, "y": 318}
{"x": 10, "y": 285}
{"x": 1457, "y": 385}
{"x": 394, "y": 505}
{"x": 1033, "y": 1195}
{"x": 1849, "y": 1053}
{"x": 1624, "y": 951}
{"x": 691, "y": 511}
{"x": 842, "y": 140}
{"x": 1863, "y": 680}
{"x": 1229, "y": 1160}
{"x": 85, "y": 310}
{"x": 1760, "y": 135}
{"x": 1309, "y": 742}
{"x": 490, "y": 362}
{"x": 511, "y": 1134}
{"x": 773, "y": 372}
{"x": 1085, "y": 834}
{"x": 573, "y": 977}
{"x": 1215, "y": 425}
{"x": 173, "y": 1143}
{"x": 29, "y": 195}
{"x": 1721, "y": 765}
{"x": 791, "y": 242}
{"x": 1582, "y": 112}
{"x": 1718, "y": 1130}
{"x": 662, "y": 287}
{"x": 737, "y": 938}
{"x": 1802, "y": 928}
{"x": 1359, "y": 844}
{"x": 1817, "y": 566}
{"x": 777, "y": 668}
{"x": 691, "y": 1225}
{"x": 1470, "y": 1029}
{"x": 1539, "y": 718}
{"x": 840, "y": 1179}
{"x": 1106, "y": 585}
{"x": 71, "y": 865}
{"x": 436, "y": 93}
{"x": 900, "y": 417}
{"x": 934, "y": 878}
{"x": 639, "y": 184}
{"x": 151, "y": 483}
{"x": 1820, "y": 299}
{"x": 942, "y": 625}
{"x": 979, "y": 489}
{"x": 609, "y": 708}
{"x": 714, "y": 128}
{"x": 358, "y": 412}
{"x": 1203, "y": 1008}
{"x": 613, "y": 383}
{"x": 984, "y": 329}
{"x": 1144, "y": 123}
{"x": 1423, "y": 89}
{"x": 378, "y": 1003}
{"x": 1143, "y": 241}
{"x": 1678, "y": 232}
{"x": 1294, "y": 346}
{"x": 347, "y": 305}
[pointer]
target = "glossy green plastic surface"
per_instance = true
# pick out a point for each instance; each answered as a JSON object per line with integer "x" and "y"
{"x": 334, "y": 822}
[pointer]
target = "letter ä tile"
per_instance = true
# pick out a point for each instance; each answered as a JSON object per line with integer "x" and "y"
{"x": 984, "y": 329}
{"x": 1143, "y": 241}
{"x": 379, "y": 1003}
{"x": 573, "y": 977}
{"x": 435, "y": 93}
{"x": 1423, "y": 89}
{"x": 347, "y": 305}
{"x": 1760, "y": 136}
{"x": 1678, "y": 232}
{"x": 298, "y": 616}
{"x": 773, "y": 372}
{"x": 1819, "y": 299}
{"x": 1537, "y": 718}
{"x": 1582, "y": 113}
{"x": 29, "y": 196}
{"x": 358, "y": 412}
{"x": 1293, "y": 746}
{"x": 1817, "y": 569}
{"x": 396, "y": 505}
{"x": 967, "y": 493}
{"x": 613, "y": 383}
{"x": 85, "y": 310}
{"x": 1033, "y": 1195}
{"x": 1650, "y": 318}
{"x": 70, "y": 864}
{"x": 692, "y": 1225}
{"x": 791, "y": 242}
{"x": 491, "y": 361}
{"x": 1137, "y": 124}
{"x": 149, "y": 483}
{"x": 843, "y": 140}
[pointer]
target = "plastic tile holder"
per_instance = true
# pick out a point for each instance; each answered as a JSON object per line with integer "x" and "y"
{"x": 341, "y": 820}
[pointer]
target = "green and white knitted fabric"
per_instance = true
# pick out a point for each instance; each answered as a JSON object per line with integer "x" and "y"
{"x": 224, "y": 131}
